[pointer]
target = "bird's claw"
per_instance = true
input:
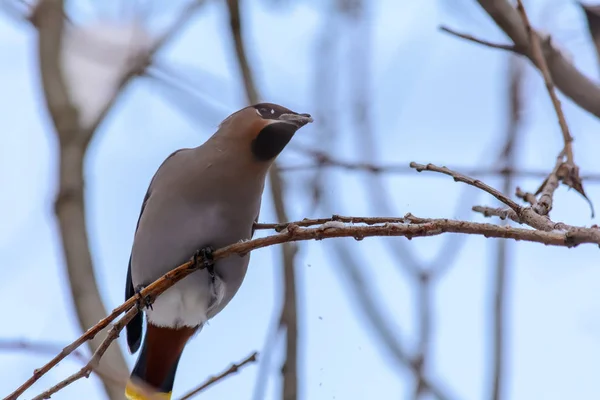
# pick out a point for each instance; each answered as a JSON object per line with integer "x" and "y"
{"x": 206, "y": 255}
{"x": 142, "y": 302}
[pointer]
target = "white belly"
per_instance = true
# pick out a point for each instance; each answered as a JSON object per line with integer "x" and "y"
{"x": 188, "y": 302}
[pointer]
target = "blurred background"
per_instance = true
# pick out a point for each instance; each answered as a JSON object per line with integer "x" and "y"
{"x": 481, "y": 318}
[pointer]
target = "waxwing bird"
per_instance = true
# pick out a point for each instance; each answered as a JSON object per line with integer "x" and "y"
{"x": 200, "y": 199}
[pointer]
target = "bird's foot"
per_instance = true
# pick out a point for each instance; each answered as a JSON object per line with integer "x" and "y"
{"x": 206, "y": 255}
{"x": 142, "y": 302}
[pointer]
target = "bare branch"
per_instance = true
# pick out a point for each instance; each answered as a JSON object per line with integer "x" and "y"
{"x": 372, "y": 313}
{"x": 469, "y": 181}
{"x": 502, "y": 213}
{"x": 324, "y": 160}
{"x": 411, "y": 228}
{"x": 85, "y": 372}
{"x": 522, "y": 215}
{"x": 540, "y": 61}
{"x": 69, "y": 204}
{"x": 335, "y": 218}
{"x": 52, "y": 348}
{"x": 466, "y": 36}
{"x": 592, "y": 15}
{"x": 214, "y": 379}
{"x": 546, "y": 191}
{"x": 565, "y": 75}
{"x": 528, "y": 197}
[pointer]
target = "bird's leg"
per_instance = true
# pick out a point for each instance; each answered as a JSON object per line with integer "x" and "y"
{"x": 142, "y": 301}
{"x": 206, "y": 255}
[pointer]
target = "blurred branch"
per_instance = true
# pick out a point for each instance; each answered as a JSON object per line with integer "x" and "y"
{"x": 212, "y": 380}
{"x": 69, "y": 204}
{"x": 566, "y": 76}
{"x": 500, "y": 280}
{"x": 324, "y": 160}
{"x": 471, "y": 38}
{"x": 49, "y": 18}
{"x": 425, "y": 320}
{"x": 51, "y": 348}
{"x": 113, "y": 333}
{"x": 325, "y": 92}
{"x": 270, "y": 344}
{"x": 592, "y": 15}
{"x": 360, "y": 82}
{"x": 145, "y": 60}
{"x": 289, "y": 318}
{"x": 363, "y": 298}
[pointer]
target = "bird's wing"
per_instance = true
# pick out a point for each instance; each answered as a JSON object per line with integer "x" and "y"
{"x": 134, "y": 327}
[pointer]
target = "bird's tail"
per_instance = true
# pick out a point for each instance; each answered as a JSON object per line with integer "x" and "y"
{"x": 153, "y": 376}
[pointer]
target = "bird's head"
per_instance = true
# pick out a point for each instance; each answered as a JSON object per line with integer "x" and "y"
{"x": 266, "y": 128}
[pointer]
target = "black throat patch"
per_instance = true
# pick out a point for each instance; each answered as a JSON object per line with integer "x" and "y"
{"x": 272, "y": 140}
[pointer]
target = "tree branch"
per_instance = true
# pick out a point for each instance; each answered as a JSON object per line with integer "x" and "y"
{"x": 48, "y": 16}
{"x": 51, "y": 348}
{"x": 539, "y": 59}
{"x": 471, "y": 38}
{"x": 324, "y": 160}
{"x": 410, "y": 228}
{"x": 566, "y": 77}
{"x": 470, "y": 181}
{"x": 214, "y": 379}
{"x": 85, "y": 372}
{"x": 69, "y": 205}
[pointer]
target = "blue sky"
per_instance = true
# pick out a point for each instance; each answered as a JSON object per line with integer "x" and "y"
{"x": 434, "y": 99}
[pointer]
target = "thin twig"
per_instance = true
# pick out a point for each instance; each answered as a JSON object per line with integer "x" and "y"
{"x": 51, "y": 348}
{"x": 572, "y": 82}
{"x": 84, "y": 372}
{"x": 567, "y": 172}
{"x": 543, "y": 205}
{"x": 471, "y": 38}
{"x": 528, "y": 197}
{"x": 324, "y": 160}
{"x": 522, "y": 215}
{"x": 500, "y": 212}
{"x": 69, "y": 204}
{"x": 214, "y": 379}
{"x": 458, "y": 177}
{"x": 540, "y": 60}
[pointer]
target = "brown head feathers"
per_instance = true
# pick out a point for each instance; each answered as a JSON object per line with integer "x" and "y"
{"x": 267, "y": 127}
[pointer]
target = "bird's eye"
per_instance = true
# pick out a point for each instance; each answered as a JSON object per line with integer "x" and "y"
{"x": 272, "y": 111}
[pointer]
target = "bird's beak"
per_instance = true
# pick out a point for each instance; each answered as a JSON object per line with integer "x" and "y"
{"x": 297, "y": 119}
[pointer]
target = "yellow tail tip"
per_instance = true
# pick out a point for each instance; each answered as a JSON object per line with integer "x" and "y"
{"x": 133, "y": 392}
